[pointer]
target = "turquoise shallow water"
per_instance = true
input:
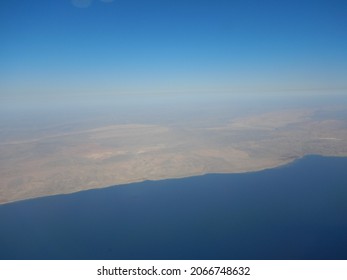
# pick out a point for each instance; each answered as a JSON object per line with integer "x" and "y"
{"x": 294, "y": 212}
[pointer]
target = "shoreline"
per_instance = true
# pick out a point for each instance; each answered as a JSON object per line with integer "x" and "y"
{"x": 284, "y": 163}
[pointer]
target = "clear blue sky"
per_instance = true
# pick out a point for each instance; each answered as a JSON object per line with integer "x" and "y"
{"x": 62, "y": 47}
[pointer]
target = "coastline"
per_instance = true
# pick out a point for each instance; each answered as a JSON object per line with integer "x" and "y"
{"x": 279, "y": 165}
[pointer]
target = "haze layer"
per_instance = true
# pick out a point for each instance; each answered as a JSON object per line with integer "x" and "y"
{"x": 45, "y": 154}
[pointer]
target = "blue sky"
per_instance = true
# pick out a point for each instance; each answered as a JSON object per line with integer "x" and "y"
{"x": 66, "y": 47}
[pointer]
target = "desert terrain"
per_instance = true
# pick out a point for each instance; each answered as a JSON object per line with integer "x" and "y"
{"x": 60, "y": 161}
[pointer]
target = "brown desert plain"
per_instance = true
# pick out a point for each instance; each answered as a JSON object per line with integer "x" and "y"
{"x": 58, "y": 160}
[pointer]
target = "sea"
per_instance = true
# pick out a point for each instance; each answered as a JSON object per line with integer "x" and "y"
{"x": 296, "y": 211}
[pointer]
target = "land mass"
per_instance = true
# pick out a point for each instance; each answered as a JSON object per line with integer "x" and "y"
{"x": 61, "y": 161}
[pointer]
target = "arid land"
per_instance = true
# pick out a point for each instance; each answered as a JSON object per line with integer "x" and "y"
{"x": 57, "y": 162}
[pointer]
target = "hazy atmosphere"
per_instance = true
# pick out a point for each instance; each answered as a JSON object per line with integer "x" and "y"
{"x": 142, "y": 129}
{"x": 97, "y": 93}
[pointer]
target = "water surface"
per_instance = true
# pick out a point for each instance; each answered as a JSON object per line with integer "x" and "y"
{"x": 294, "y": 212}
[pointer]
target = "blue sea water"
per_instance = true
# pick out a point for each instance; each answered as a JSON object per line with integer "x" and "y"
{"x": 298, "y": 211}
